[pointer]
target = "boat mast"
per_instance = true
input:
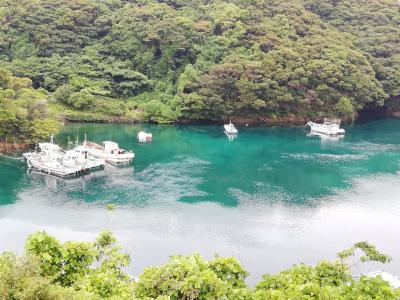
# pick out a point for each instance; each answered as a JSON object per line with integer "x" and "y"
{"x": 69, "y": 143}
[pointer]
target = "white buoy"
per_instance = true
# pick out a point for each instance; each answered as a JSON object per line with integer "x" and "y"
{"x": 144, "y": 137}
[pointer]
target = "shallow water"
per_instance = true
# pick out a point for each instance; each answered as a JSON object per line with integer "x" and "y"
{"x": 272, "y": 197}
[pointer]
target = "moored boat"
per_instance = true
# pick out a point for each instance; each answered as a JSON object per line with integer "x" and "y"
{"x": 230, "y": 129}
{"x": 144, "y": 137}
{"x": 110, "y": 152}
{"x": 49, "y": 158}
{"x": 56, "y": 167}
{"x": 328, "y": 128}
{"x": 79, "y": 156}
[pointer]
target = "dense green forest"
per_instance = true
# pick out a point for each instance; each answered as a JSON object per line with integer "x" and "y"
{"x": 176, "y": 60}
{"x": 24, "y": 113}
{"x": 95, "y": 270}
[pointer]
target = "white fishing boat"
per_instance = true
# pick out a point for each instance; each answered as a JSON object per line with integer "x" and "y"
{"x": 230, "y": 129}
{"x": 51, "y": 166}
{"x": 328, "y": 128}
{"x": 49, "y": 158}
{"x": 49, "y": 149}
{"x": 80, "y": 157}
{"x": 144, "y": 137}
{"x": 110, "y": 152}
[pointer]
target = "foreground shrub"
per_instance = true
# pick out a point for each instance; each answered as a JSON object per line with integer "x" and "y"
{"x": 50, "y": 269}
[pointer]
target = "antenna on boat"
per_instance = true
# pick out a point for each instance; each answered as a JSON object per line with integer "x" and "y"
{"x": 51, "y": 139}
{"x": 85, "y": 141}
{"x": 70, "y": 143}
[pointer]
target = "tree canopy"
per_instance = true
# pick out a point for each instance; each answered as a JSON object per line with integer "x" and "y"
{"x": 95, "y": 270}
{"x": 375, "y": 27}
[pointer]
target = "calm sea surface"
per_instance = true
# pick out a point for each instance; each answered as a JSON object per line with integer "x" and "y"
{"x": 272, "y": 197}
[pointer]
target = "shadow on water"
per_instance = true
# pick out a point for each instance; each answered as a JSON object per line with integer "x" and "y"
{"x": 12, "y": 179}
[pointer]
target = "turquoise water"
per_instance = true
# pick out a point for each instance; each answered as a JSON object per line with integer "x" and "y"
{"x": 267, "y": 196}
{"x": 198, "y": 163}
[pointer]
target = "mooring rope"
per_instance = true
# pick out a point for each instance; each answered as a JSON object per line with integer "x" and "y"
{"x": 10, "y": 157}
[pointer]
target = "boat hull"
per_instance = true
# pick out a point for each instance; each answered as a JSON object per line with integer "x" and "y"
{"x": 115, "y": 160}
{"x": 56, "y": 170}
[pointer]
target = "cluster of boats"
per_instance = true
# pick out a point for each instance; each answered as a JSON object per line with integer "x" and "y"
{"x": 327, "y": 128}
{"x": 82, "y": 159}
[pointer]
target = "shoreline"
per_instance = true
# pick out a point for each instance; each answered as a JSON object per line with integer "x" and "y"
{"x": 13, "y": 148}
{"x": 290, "y": 120}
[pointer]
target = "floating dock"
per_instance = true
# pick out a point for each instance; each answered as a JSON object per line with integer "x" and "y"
{"x": 53, "y": 167}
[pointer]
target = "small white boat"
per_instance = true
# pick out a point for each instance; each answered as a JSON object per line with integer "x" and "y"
{"x": 327, "y": 128}
{"x": 230, "y": 129}
{"x": 110, "y": 152}
{"x": 79, "y": 156}
{"x": 144, "y": 137}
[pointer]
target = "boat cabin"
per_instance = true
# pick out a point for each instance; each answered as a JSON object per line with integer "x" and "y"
{"x": 49, "y": 147}
{"x": 112, "y": 147}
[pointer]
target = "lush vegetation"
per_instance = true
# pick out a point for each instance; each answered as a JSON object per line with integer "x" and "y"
{"x": 94, "y": 270}
{"x": 375, "y": 25}
{"x": 168, "y": 60}
{"x": 24, "y": 113}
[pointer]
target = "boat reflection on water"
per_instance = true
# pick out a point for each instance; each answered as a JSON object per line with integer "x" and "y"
{"x": 118, "y": 171}
{"x": 53, "y": 183}
{"x": 325, "y": 138}
{"x": 231, "y": 137}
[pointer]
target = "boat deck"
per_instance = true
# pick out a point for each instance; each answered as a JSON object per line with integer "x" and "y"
{"x": 54, "y": 168}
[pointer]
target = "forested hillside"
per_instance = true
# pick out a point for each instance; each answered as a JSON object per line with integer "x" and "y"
{"x": 166, "y": 60}
{"x": 376, "y": 26}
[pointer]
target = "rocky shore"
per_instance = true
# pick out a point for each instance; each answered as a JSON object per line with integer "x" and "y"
{"x": 13, "y": 148}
